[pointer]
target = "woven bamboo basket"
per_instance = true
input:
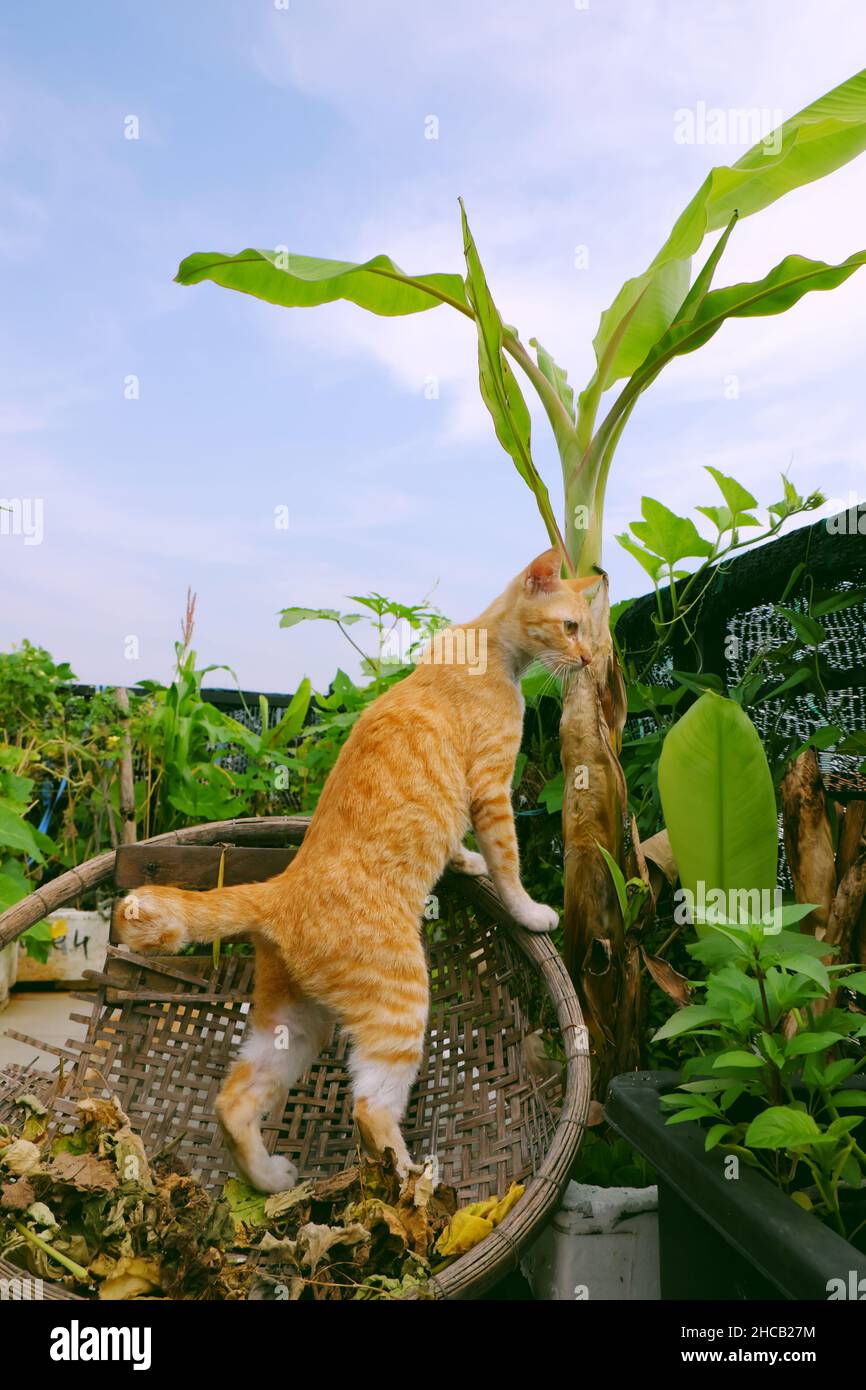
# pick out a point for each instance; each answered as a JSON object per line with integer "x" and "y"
{"x": 162, "y": 1031}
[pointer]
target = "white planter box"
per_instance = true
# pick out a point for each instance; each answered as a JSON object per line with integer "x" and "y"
{"x": 601, "y": 1244}
{"x": 80, "y": 939}
{"x": 8, "y": 971}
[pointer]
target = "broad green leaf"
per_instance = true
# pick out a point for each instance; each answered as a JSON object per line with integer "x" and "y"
{"x": 732, "y": 1095}
{"x": 653, "y": 564}
{"x": 719, "y": 805}
{"x": 747, "y": 1060}
{"x": 699, "y": 682}
{"x": 296, "y": 712}
{"x": 699, "y": 290}
{"x": 786, "y": 944}
{"x": 618, "y": 877}
{"x": 736, "y": 496}
{"x": 499, "y": 389}
{"x": 824, "y": 136}
{"x": 848, "y": 598}
{"x": 18, "y": 834}
{"x": 557, "y": 376}
{"x": 693, "y": 1098}
{"x": 281, "y": 277}
{"x": 857, "y": 981}
{"x": 551, "y": 794}
{"x": 666, "y": 534}
{"x": 805, "y": 627}
{"x": 783, "y": 287}
{"x": 715, "y": 1135}
{"x": 796, "y": 678}
{"x": 839, "y": 1071}
{"x": 782, "y": 1127}
{"x": 13, "y": 887}
{"x": 290, "y": 616}
{"x": 692, "y": 1016}
{"x": 802, "y": 1044}
{"x": 849, "y": 1100}
{"x": 683, "y": 1116}
{"x": 844, "y": 1125}
{"x": 808, "y": 965}
{"x": 725, "y": 520}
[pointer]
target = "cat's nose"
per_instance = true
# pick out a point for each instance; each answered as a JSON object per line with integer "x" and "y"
{"x": 585, "y": 656}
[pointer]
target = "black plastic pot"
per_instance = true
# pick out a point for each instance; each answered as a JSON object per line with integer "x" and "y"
{"x": 721, "y": 1238}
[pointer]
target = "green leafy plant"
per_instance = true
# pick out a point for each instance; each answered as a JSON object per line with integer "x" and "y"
{"x": 335, "y": 712}
{"x": 201, "y": 764}
{"x": 662, "y": 540}
{"x": 606, "y": 1161}
{"x": 384, "y": 616}
{"x": 631, "y": 893}
{"x": 774, "y": 1043}
{"x": 23, "y": 848}
{"x": 768, "y": 1079}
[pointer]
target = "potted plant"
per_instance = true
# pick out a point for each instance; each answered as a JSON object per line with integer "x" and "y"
{"x": 760, "y": 1142}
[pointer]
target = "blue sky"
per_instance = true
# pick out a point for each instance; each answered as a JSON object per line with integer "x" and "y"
{"x": 305, "y": 127}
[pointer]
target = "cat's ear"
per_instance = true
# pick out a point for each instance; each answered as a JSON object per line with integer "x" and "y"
{"x": 588, "y": 584}
{"x": 542, "y": 576}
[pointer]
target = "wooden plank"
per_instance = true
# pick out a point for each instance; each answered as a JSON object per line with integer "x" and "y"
{"x": 253, "y": 830}
{"x": 196, "y": 866}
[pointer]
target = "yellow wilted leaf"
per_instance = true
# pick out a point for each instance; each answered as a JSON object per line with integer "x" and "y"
{"x": 465, "y": 1231}
{"x": 503, "y": 1207}
{"x": 482, "y": 1208}
{"x": 471, "y": 1224}
{"x": 130, "y": 1277}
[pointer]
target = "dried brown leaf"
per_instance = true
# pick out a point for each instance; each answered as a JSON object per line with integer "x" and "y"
{"x": 675, "y": 985}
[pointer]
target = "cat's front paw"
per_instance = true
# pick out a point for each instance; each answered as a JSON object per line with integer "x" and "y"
{"x": 535, "y": 916}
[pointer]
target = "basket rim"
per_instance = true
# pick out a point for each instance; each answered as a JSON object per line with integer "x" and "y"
{"x": 498, "y": 1254}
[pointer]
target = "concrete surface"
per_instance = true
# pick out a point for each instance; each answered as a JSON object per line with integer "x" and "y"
{"x": 42, "y": 1014}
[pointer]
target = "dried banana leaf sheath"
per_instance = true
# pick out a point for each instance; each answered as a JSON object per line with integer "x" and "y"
{"x": 808, "y": 840}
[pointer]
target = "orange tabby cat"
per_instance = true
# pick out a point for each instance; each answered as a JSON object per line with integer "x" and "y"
{"x": 338, "y": 933}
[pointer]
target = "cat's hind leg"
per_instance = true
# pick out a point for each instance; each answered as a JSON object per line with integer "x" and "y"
{"x": 285, "y": 1033}
{"x": 388, "y": 1041}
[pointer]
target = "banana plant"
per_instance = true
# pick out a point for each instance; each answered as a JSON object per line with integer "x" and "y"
{"x": 656, "y": 316}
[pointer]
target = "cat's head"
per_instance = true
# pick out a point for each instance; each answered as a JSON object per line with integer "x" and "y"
{"x": 549, "y": 618}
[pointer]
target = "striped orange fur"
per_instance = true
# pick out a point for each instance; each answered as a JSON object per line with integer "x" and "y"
{"x": 338, "y": 933}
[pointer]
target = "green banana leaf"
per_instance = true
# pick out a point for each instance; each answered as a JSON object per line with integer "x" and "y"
{"x": 717, "y": 796}
{"x": 499, "y": 389}
{"x": 821, "y": 138}
{"x": 294, "y": 281}
{"x": 556, "y": 375}
{"x": 783, "y": 287}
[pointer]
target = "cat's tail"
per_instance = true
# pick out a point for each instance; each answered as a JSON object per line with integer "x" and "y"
{"x": 167, "y": 919}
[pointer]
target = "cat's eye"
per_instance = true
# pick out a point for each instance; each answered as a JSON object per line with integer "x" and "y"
{"x": 571, "y": 627}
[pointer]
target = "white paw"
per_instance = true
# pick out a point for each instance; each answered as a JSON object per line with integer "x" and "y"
{"x": 276, "y": 1174}
{"x": 468, "y": 862}
{"x": 535, "y": 916}
{"x": 406, "y": 1166}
